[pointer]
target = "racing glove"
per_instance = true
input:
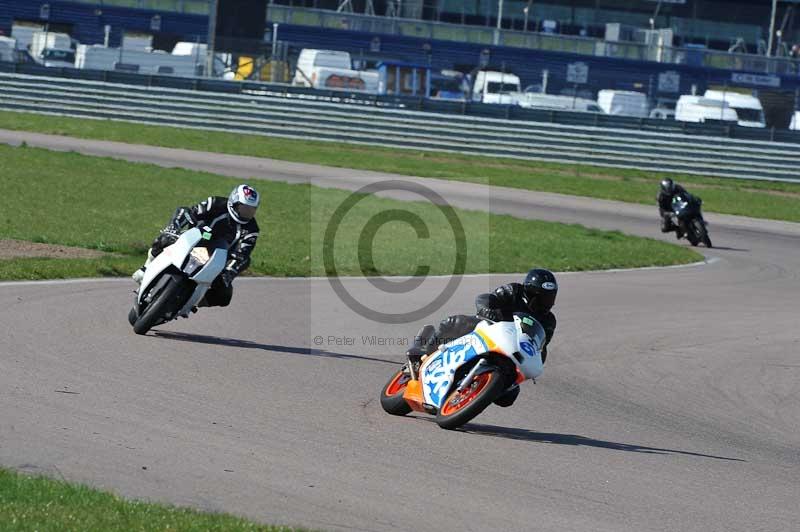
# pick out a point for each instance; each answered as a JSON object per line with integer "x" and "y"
{"x": 490, "y": 314}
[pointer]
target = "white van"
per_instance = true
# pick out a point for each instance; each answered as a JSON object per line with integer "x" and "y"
{"x": 795, "y": 124}
{"x": 537, "y": 100}
{"x": 625, "y": 103}
{"x": 7, "y": 48}
{"x": 748, "y": 108}
{"x": 332, "y": 69}
{"x": 699, "y": 109}
{"x": 496, "y": 87}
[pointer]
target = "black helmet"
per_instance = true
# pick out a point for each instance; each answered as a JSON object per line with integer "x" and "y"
{"x": 540, "y": 288}
{"x": 667, "y": 186}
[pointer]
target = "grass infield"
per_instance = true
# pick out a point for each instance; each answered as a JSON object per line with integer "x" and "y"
{"x": 758, "y": 199}
{"x": 118, "y": 207}
{"x": 43, "y": 505}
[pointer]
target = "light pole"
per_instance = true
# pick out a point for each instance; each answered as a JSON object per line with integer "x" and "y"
{"x": 771, "y": 27}
{"x": 499, "y": 22}
{"x": 212, "y": 36}
{"x": 527, "y": 11}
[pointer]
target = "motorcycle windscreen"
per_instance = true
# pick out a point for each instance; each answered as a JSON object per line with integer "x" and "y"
{"x": 212, "y": 268}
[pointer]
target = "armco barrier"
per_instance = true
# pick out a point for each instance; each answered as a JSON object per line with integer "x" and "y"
{"x": 258, "y": 109}
{"x": 510, "y": 112}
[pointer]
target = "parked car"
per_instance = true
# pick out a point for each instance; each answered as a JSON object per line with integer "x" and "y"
{"x": 662, "y": 113}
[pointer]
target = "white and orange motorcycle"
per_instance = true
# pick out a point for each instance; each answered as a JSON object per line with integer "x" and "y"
{"x": 463, "y": 377}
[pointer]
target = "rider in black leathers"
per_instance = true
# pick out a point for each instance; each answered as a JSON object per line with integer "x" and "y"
{"x": 535, "y": 296}
{"x": 231, "y": 219}
{"x": 669, "y": 189}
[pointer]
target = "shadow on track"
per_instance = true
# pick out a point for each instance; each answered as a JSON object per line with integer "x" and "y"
{"x": 576, "y": 440}
{"x": 723, "y": 248}
{"x": 247, "y": 344}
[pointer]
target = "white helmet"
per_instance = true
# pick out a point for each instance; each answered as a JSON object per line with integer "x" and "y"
{"x": 242, "y": 203}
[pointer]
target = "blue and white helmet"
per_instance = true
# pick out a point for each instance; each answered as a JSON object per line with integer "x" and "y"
{"x": 243, "y": 203}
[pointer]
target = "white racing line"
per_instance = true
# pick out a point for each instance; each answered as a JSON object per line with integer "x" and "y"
{"x": 85, "y": 280}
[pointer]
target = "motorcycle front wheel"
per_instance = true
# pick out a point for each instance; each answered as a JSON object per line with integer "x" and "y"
{"x": 392, "y": 394}
{"x": 162, "y": 303}
{"x": 459, "y": 407}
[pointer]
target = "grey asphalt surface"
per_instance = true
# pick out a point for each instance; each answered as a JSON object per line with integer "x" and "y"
{"x": 670, "y": 401}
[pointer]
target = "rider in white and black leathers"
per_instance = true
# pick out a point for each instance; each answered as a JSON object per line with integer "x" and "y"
{"x": 231, "y": 219}
{"x": 536, "y": 296}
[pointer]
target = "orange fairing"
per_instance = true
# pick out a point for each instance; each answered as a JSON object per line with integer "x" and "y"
{"x": 520, "y": 377}
{"x": 413, "y": 395}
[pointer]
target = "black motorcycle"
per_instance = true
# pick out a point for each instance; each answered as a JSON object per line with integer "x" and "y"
{"x": 688, "y": 219}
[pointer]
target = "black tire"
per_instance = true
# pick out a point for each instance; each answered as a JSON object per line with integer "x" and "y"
{"x": 691, "y": 234}
{"x": 702, "y": 233}
{"x": 395, "y": 404}
{"x": 132, "y": 316}
{"x": 475, "y": 404}
{"x": 162, "y": 303}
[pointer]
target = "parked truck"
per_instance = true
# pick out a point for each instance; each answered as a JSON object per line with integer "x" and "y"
{"x": 691, "y": 108}
{"x": 332, "y": 69}
{"x": 748, "y": 108}
{"x": 496, "y": 87}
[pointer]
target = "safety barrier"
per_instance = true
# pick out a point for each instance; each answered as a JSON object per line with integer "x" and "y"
{"x": 260, "y": 109}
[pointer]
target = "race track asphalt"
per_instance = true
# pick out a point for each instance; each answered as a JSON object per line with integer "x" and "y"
{"x": 670, "y": 401}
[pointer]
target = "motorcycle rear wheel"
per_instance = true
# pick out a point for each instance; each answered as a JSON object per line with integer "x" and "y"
{"x": 392, "y": 395}
{"x": 155, "y": 311}
{"x": 459, "y": 408}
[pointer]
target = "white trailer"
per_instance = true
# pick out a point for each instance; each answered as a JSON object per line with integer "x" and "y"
{"x": 624, "y": 103}
{"x": 97, "y": 57}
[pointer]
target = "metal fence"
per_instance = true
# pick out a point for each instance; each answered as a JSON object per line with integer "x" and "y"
{"x": 257, "y": 109}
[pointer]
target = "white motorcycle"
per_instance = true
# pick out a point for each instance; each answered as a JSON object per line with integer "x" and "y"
{"x": 463, "y": 377}
{"x": 177, "y": 279}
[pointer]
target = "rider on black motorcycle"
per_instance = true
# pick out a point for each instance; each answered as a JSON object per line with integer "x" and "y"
{"x": 669, "y": 189}
{"x": 233, "y": 219}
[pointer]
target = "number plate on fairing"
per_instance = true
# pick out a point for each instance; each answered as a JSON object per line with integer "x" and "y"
{"x": 437, "y": 374}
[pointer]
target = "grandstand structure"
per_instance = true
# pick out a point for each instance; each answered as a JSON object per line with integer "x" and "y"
{"x": 432, "y": 37}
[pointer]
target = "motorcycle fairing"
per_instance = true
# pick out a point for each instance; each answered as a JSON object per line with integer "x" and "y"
{"x": 438, "y": 370}
{"x": 172, "y": 255}
{"x": 175, "y": 255}
{"x": 204, "y": 278}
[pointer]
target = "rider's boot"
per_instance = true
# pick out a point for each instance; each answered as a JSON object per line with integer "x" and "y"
{"x": 138, "y": 275}
{"x": 508, "y": 397}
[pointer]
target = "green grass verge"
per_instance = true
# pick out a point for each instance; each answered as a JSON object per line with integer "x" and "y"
{"x": 44, "y": 505}
{"x": 759, "y": 199}
{"x": 117, "y": 206}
